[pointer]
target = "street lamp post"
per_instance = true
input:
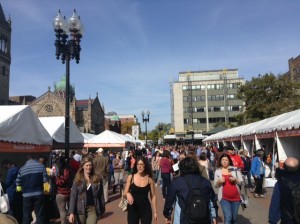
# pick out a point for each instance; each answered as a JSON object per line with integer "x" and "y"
{"x": 67, "y": 45}
{"x": 160, "y": 128}
{"x": 145, "y": 120}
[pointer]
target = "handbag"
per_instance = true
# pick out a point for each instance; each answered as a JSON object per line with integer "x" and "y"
{"x": 123, "y": 203}
{"x": 4, "y": 202}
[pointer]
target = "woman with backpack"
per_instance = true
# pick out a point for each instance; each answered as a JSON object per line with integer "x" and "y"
{"x": 185, "y": 191}
{"x": 228, "y": 179}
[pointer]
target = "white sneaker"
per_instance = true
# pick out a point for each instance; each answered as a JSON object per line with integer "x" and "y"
{"x": 155, "y": 185}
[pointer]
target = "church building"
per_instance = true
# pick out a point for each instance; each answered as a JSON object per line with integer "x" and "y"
{"x": 5, "y": 58}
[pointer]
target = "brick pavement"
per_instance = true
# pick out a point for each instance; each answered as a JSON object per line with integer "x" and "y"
{"x": 256, "y": 213}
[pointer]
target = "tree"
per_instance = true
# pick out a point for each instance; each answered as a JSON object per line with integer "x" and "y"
{"x": 267, "y": 96}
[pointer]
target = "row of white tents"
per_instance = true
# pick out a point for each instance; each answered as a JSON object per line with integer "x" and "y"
{"x": 22, "y": 131}
{"x": 280, "y": 134}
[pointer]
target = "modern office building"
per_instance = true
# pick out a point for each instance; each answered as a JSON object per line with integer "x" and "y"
{"x": 5, "y": 57}
{"x": 200, "y": 99}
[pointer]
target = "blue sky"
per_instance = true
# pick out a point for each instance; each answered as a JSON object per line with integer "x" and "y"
{"x": 132, "y": 49}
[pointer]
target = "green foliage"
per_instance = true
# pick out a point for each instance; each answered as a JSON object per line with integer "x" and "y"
{"x": 155, "y": 134}
{"x": 267, "y": 96}
{"x": 227, "y": 125}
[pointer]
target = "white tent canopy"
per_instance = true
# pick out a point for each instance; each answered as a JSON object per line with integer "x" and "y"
{"x": 56, "y": 128}
{"x": 19, "y": 124}
{"x": 107, "y": 139}
{"x": 87, "y": 137}
{"x": 282, "y": 122}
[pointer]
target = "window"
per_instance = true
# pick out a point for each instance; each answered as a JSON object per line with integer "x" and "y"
{"x": 200, "y": 109}
{"x": 235, "y": 108}
{"x": 217, "y": 109}
{"x": 219, "y": 86}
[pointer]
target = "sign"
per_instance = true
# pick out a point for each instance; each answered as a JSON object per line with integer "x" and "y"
{"x": 135, "y": 131}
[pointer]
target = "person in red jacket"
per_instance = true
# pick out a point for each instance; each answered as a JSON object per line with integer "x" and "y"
{"x": 166, "y": 164}
{"x": 236, "y": 159}
{"x": 63, "y": 182}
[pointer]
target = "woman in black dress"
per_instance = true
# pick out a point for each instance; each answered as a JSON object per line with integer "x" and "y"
{"x": 138, "y": 186}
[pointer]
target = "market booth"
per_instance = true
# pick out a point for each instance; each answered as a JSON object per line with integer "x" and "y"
{"x": 280, "y": 134}
{"x": 21, "y": 134}
{"x": 55, "y": 126}
{"x": 21, "y": 131}
{"x": 109, "y": 140}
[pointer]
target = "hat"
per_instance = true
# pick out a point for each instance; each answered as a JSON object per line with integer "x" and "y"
{"x": 77, "y": 157}
{"x": 100, "y": 150}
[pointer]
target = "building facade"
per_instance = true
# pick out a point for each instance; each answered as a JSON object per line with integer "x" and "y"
{"x": 200, "y": 99}
{"x": 120, "y": 123}
{"x": 5, "y": 57}
{"x": 294, "y": 69}
{"x": 87, "y": 114}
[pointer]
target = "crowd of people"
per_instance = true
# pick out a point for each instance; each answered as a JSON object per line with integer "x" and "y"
{"x": 78, "y": 186}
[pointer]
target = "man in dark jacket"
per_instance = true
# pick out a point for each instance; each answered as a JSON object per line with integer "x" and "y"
{"x": 281, "y": 206}
{"x": 10, "y": 183}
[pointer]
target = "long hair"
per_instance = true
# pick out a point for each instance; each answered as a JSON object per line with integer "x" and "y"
{"x": 61, "y": 164}
{"x": 189, "y": 165}
{"x": 79, "y": 178}
{"x": 228, "y": 157}
{"x": 148, "y": 170}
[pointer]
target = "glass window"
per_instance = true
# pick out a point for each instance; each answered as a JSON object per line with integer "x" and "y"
{"x": 202, "y": 87}
{"x": 217, "y": 109}
{"x": 235, "y": 108}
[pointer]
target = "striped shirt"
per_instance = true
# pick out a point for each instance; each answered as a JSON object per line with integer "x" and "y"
{"x": 31, "y": 177}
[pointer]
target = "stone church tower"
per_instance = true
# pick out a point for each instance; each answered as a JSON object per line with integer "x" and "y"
{"x": 88, "y": 114}
{"x": 5, "y": 58}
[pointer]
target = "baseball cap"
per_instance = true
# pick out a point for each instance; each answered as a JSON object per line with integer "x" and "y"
{"x": 100, "y": 150}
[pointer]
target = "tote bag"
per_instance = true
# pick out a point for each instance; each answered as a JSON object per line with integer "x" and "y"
{"x": 4, "y": 202}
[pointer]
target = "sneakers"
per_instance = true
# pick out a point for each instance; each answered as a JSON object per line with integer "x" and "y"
{"x": 256, "y": 195}
{"x": 259, "y": 196}
{"x": 155, "y": 185}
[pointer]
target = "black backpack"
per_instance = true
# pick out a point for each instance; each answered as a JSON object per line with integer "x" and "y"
{"x": 197, "y": 205}
{"x": 295, "y": 193}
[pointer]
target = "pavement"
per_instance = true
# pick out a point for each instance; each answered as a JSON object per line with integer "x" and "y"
{"x": 256, "y": 213}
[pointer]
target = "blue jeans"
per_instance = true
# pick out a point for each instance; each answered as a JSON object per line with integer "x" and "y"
{"x": 36, "y": 203}
{"x": 230, "y": 210}
{"x": 166, "y": 178}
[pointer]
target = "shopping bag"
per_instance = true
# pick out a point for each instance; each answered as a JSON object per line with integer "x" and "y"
{"x": 4, "y": 202}
{"x": 123, "y": 203}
